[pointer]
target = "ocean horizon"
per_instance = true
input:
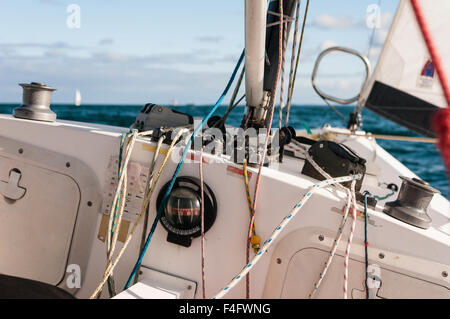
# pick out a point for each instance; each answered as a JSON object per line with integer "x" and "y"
{"x": 422, "y": 158}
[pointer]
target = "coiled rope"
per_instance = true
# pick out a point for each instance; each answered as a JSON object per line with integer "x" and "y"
{"x": 281, "y": 226}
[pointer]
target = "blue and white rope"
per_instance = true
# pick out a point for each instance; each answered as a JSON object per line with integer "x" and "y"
{"x": 280, "y": 227}
{"x": 335, "y": 244}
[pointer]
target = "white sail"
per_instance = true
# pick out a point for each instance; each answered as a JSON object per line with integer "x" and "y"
{"x": 405, "y": 85}
{"x": 77, "y": 98}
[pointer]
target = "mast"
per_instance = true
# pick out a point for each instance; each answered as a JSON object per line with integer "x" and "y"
{"x": 261, "y": 38}
{"x": 255, "y": 44}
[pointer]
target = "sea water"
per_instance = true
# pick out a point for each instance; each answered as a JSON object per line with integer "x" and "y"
{"x": 421, "y": 158}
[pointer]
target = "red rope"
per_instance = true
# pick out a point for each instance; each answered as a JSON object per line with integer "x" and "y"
{"x": 441, "y": 120}
{"x": 261, "y": 164}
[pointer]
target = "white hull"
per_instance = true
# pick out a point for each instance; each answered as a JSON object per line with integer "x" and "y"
{"x": 414, "y": 261}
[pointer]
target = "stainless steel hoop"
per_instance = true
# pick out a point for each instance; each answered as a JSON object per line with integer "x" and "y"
{"x": 316, "y": 67}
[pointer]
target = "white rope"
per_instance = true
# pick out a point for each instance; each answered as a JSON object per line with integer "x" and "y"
{"x": 335, "y": 245}
{"x": 349, "y": 244}
{"x": 110, "y": 266}
{"x": 280, "y": 227}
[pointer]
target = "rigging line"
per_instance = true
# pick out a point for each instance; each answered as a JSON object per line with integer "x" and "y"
{"x": 111, "y": 225}
{"x": 366, "y": 241}
{"x": 232, "y": 104}
{"x": 178, "y": 168}
{"x": 291, "y": 72}
{"x": 255, "y": 240}
{"x": 151, "y": 171}
{"x": 286, "y": 220}
{"x": 297, "y": 62}
{"x": 202, "y": 212}
{"x": 350, "y": 239}
{"x": 266, "y": 142}
{"x": 281, "y": 106}
{"x": 334, "y": 108}
{"x": 113, "y": 264}
{"x": 225, "y": 116}
{"x": 118, "y": 204}
{"x": 335, "y": 245}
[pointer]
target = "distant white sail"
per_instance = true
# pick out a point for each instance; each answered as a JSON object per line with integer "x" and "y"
{"x": 77, "y": 98}
{"x": 405, "y": 86}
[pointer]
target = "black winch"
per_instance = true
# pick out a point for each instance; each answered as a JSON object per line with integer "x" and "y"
{"x": 335, "y": 159}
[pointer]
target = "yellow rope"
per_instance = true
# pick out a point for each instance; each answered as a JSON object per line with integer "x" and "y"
{"x": 255, "y": 239}
{"x": 110, "y": 266}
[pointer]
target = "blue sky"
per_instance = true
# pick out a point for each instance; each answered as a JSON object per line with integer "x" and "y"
{"x": 134, "y": 52}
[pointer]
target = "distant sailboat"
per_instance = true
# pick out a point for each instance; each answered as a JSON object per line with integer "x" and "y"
{"x": 77, "y": 98}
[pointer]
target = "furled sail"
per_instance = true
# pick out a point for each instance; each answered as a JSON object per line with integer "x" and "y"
{"x": 405, "y": 86}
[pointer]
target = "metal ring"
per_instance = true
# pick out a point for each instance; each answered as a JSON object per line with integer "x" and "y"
{"x": 316, "y": 67}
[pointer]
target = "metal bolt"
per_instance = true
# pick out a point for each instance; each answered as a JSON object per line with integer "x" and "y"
{"x": 321, "y": 238}
{"x": 67, "y": 164}
{"x": 444, "y": 274}
{"x": 89, "y": 203}
{"x": 189, "y": 287}
{"x": 20, "y": 150}
{"x": 381, "y": 255}
{"x": 278, "y": 261}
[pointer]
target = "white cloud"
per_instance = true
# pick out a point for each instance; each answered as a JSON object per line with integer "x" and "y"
{"x": 106, "y": 41}
{"x": 327, "y": 21}
{"x": 327, "y": 44}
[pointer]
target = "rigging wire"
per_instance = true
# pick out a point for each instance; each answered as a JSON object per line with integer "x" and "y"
{"x": 334, "y": 109}
{"x": 283, "y": 60}
{"x": 291, "y": 72}
{"x": 288, "y": 108}
{"x": 177, "y": 171}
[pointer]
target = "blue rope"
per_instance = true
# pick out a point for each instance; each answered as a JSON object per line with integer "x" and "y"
{"x": 177, "y": 171}
{"x": 366, "y": 243}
